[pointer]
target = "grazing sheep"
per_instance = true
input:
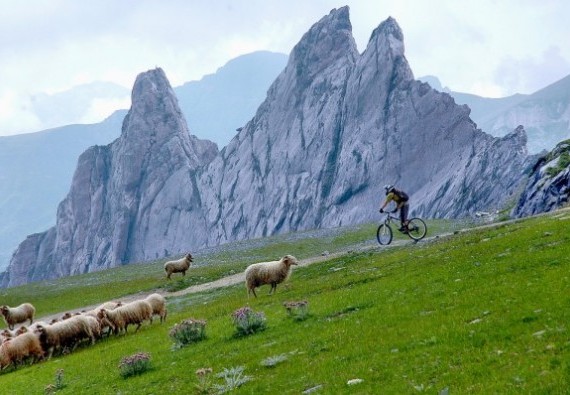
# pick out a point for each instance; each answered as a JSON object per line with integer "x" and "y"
{"x": 17, "y": 349}
{"x": 6, "y": 334}
{"x": 67, "y": 334}
{"x": 273, "y": 273}
{"x": 179, "y": 266}
{"x": 95, "y": 313}
{"x": 106, "y": 306}
{"x": 158, "y": 304}
{"x": 17, "y": 315}
{"x": 119, "y": 319}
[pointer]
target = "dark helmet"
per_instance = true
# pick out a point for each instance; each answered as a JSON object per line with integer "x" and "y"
{"x": 388, "y": 188}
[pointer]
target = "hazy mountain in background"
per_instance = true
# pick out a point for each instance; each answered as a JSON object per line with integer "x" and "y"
{"x": 81, "y": 104}
{"x": 220, "y": 103}
{"x": 36, "y": 168}
{"x": 544, "y": 114}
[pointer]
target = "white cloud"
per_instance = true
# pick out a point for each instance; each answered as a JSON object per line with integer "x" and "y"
{"x": 482, "y": 46}
{"x": 102, "y": 108}
{"x": 15, "y": 115}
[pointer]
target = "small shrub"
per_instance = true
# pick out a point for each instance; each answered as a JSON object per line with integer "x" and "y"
{"x": 57, "y": 385}
{"x": 299, "y": 310}
{"x": 274, "y": 360}
{"x": 233, "y": 378}
{"x": 248, "y": 322}
{"x": 134, "y": 364}
{"x": 187, "y": 332}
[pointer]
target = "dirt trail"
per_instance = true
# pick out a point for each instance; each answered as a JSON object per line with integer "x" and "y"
{"x": 220, "y": 283}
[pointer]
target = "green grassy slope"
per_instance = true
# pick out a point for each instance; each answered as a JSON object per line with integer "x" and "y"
{"x": 484, "y": 311}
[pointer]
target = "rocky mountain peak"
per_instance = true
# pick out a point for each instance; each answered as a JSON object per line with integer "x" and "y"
{"x": 125, "y": 194}
{"x": 389, "y": 32}
{"x": 327, "y": 41}
{"x": 386, "y": 47}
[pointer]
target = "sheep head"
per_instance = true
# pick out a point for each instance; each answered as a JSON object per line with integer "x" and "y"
{"x": 289, "y": 260}
{"x": 189, "y": 257}
{"x": 101, "y": 314}
{"x": 40, "y": 329}
{"x": 21, "y": 330}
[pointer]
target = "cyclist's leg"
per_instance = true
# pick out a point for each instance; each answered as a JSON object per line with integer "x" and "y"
{"x": 404, "y": 215}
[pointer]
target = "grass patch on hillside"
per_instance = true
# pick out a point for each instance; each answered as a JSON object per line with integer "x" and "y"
{"x": 74, "y": 292}
{"x": 479, "y": 312}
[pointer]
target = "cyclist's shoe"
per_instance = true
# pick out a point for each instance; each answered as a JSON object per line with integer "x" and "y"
{"x": 403, "y": 229}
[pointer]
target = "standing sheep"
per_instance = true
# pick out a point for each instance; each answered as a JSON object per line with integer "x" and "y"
{"x": 17, "y": 315}
{"x": 19, "y": 348}
{"x": 119, "y": 319}
{"x": 178, "y": 266}
{"x": 67, "y": 334}
{"x": 158, "y": 304}
{"x": 273, "y": 273}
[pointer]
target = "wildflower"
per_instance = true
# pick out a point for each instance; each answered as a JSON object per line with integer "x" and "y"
{"x": 247, "y": 321}
{"x": 134, "y": 364}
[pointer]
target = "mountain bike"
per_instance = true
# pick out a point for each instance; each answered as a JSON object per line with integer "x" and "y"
{"x": 416, "y": 230}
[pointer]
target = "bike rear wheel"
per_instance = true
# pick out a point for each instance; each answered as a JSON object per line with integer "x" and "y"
{"x": 417, "y": 228}
{"x": 384, "y": 234}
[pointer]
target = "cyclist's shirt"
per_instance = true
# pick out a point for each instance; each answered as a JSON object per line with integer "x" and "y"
{"x": 392, "y": 196}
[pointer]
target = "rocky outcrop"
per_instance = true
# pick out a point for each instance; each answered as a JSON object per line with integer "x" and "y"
{"x": 132, "y": 200}
{"x": 548, "y": 186}
{"x": 336, "y": 125}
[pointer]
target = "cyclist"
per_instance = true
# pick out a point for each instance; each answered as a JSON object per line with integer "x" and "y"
{"x": 401, "y": 199}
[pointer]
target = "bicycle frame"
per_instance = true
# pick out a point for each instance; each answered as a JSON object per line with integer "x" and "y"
{"x": 416, "y": 229}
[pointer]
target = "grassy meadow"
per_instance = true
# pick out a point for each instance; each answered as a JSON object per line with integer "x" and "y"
{"x": 479, "y": 312}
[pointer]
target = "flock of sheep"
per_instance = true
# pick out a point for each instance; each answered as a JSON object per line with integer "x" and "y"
{"x": 40, "y": 340}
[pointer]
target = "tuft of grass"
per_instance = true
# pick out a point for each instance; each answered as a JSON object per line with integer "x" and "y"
{"x": 272, "y": 361}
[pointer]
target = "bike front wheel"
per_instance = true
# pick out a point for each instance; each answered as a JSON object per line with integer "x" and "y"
{"x": 384, "y": 234}
{"x": 417, "y": 228}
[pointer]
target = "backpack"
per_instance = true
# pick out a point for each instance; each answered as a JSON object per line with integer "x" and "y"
{"x": 403, "y": 196}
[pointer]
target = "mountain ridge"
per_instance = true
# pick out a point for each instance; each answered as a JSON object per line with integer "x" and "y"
{"x": 335, "y": 125}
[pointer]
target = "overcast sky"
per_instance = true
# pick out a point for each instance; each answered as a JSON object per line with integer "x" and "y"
{"x": 491, "y": 48}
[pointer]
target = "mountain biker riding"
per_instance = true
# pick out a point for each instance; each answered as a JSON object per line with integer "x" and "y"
{"x": 401, "y": 199}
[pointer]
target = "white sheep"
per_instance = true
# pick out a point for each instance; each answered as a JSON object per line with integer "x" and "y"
{"x": 274, "y": 272}
{"x": 95, "y": 313}
{"x": 158, "y": 304}
{"x": 66, "y": 334}
{"x": 17, "y": 349}
{"x": 17, "y": 315}
{"x": 119, "y": 319}
{"x": 178, "y": 266}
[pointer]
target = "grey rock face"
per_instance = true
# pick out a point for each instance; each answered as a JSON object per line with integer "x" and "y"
{"x": 335, "y": 127}
{"x": 548, "y": 186}
{"x": 132, "y": 200}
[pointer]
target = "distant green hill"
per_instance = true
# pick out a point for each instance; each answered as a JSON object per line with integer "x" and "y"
{"x": 477, "y": 312}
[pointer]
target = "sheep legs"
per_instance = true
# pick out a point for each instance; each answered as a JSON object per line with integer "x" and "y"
{"x": 273, "y": 288}
{"x": 251, "y": 290}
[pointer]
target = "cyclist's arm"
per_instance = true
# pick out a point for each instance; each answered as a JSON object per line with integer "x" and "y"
{"x": 389, "y": 198}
